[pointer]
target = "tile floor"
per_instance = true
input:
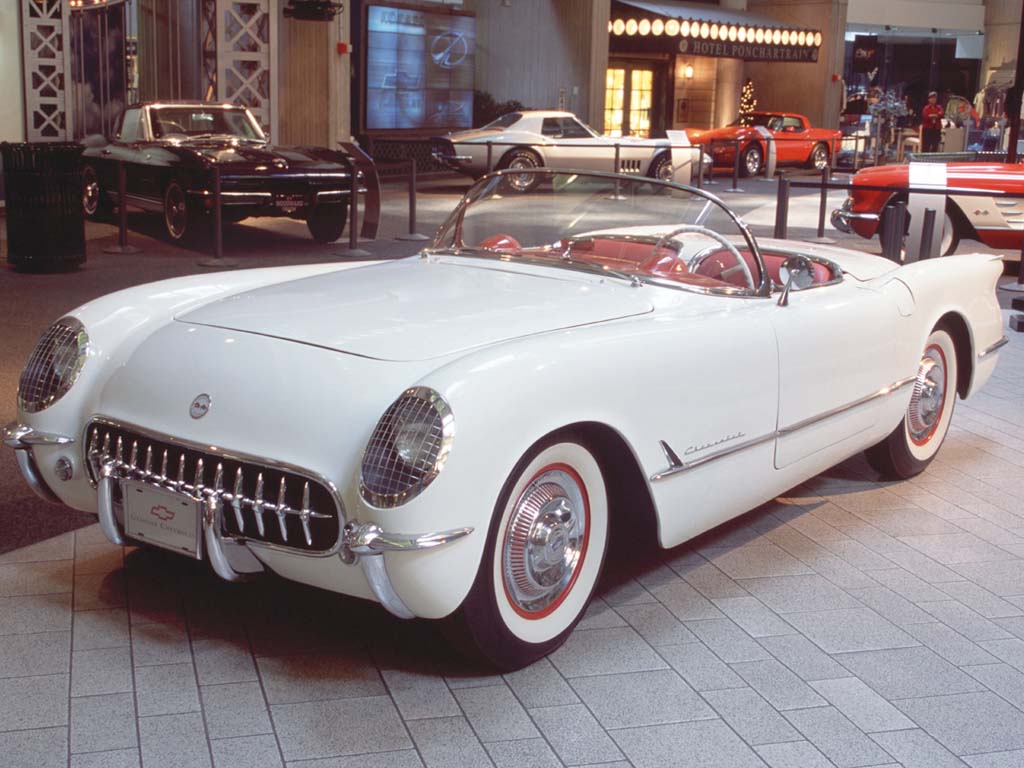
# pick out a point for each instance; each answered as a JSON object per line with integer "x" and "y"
{"x": 852, "y": 623}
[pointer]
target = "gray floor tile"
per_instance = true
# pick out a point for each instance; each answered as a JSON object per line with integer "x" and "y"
{"x": 94, "y": 591}
{"x": 418, "y": 695}
{"x": 751, "y": 716}
{"x": 249, "y": 752}
{"x": 41, "y": 653}
{"x": 339, "y": 727}
{"x": 850, "y": 629}
{"x": 655, "y": 624}
{"x": 101, "y": 723}
{"x": 778, "y": 684}
{"x": 707, "y": 743}
{"x": 1011, "y": 651}
{"x": 107, "y": 628}
{"x": 1013, "y": 624}
{"x": 950, "y": 644}
{"x": 625, "y": 592}
{"x": 33, "y": 702}
{"x": 604, "y": 651}
{"x": 803, "y": 657}
{"x": 38, "y": 748}
{"x": 795, "y": 754}
{"x": 174, "y": 741}
{"x": 118, "y": 758}
{"x": 641, "y": 698}
{"x": 760, "y": 559}
{"x": 1001, "y": 578}
{"x": 105, "y": 670}
{"x": 540, "y": 685}
{"x": 448, "y": 742}
{"x": 1011, "y": 759}
{"x": 39, "y": 578}
{"x": 682, "y": 600}
{"x": 575, "y": 735}
{"x": 916, "y": 749}
{"x": 705, "y": 577}
{"x": 981, "y": 600}
{"x": 525, "y": 753}
{"x": 235, "y": 709}
{"x": 700, "y": 667}
{"x": 956, "y": 548}
{"x": 839, "y": 739}
{"x": 318, "y": 676}
{"x": 908, "y": 585}
{"x": 600, "y": 615}
{"x": 967, "y": 723}
{"x": 727, "y": 640}
{"x": 968, "y": 623}
{"x": 406, "y": 758}
{"x": 787, "y": 594}
{"x": 167, "y": 689}
{"x": 223, "y": 659}
{"x": 908, "y": 672}
{"x": 39, "y": 613}
{"x": 861, "y": 705}
{"x": 754, "y": 617}
{"x": 495, "y": 714}
{"x": 891, "y": 606}
{"x": 1001, "y": 678}
{"x": 160, "y": 643}
{"x": 57, "y": 548}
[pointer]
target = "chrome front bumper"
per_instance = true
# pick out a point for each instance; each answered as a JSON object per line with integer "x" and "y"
{"x": 231, "y": 557}
{"x": 841, "y": 217}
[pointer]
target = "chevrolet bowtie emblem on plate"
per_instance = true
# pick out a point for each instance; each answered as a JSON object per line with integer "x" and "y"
{"x": 200, "y": 406}
{"x": 162, "y": 513}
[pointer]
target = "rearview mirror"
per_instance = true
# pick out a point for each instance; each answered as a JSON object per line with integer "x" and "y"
{"x": 796, "y": 273}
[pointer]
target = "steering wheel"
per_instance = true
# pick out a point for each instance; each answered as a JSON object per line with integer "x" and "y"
{"x": 169, "y": 126}
{"x": 697, "y": 229}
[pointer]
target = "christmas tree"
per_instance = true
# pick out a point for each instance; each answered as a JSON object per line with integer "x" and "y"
{"x": 747, "y": 103}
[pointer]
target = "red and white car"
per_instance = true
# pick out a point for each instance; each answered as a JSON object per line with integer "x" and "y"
{"x": 796, "y": 142}
{"x": 997, "y": 222}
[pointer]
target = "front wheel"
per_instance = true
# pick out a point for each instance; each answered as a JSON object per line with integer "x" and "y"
{"x": 327, "y": 222}
{"x": 543, "y": 557}
{"x": 521, "y": 159}
{"x": 177, "y": 216}
{"x": 750, "y": 160}
{"x": 910, "y": 448}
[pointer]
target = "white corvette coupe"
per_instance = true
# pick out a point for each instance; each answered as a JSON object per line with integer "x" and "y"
{"x": 462, "y": 433}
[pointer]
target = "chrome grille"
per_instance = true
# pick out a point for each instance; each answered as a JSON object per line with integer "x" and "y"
{"x": 260, "y": 502}
{"x": 420, "y": 424}
{"x": 54, "y": 365}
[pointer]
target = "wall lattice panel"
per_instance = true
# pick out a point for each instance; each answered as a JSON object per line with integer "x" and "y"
{"x": 246, "y": 36}
{"x": 44, "y": 36}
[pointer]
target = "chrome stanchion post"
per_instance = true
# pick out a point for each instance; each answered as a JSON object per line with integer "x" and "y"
{"x": 490, "y": 156}
{"x": 894, "y": 224}
{"x": 826, "y": 177}
{"x": 927, "y": 234}
{"x": 615, "y": 166}
{"x": 700, "y": 167}
{"x": 782, "y": 209}
{"x": 218, "y": 259}
{"x": 412, "y": 234}
{"x": 735, "y": 167}
{"x": 122, "y": 246}
{"x": 353, "y": 250}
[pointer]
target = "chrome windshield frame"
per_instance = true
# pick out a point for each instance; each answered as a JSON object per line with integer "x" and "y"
{"x": 452, "y": 227}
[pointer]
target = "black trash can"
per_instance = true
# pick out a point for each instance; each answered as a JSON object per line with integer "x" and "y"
{"x": 43, "y": 191}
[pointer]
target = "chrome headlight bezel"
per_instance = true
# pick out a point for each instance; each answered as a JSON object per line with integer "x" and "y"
{"x": 385, "y": 480}
{"x": 66, "y": 343}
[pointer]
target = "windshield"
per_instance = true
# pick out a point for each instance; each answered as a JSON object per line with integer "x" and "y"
{"x": 176, "y": 122}
{"x": 641, "y": 230}
{"x": 771, "y": 122}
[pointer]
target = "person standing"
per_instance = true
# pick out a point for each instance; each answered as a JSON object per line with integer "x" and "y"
{"x": 931, "y": 124}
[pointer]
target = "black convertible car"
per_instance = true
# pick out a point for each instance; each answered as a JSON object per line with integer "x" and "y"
{"x": 170, "y": 150}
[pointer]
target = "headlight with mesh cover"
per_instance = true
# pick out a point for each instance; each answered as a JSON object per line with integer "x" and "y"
{"x": 54, "y": 366}
{"x": 408, "y": 448}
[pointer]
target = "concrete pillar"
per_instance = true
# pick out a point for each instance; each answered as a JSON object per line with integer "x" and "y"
{"x": 12, "y": 116}
{"x": 1002, "y": 27}
{"x": 729, "y": 83}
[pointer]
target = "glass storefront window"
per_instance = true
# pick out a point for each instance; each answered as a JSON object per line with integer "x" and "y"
{"x": 628, "y": 101}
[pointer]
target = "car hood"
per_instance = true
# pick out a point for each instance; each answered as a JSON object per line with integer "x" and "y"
{"x": 420, "y": 309}
{"x": 728, "y": 132}
{"x": 269, "y": 157}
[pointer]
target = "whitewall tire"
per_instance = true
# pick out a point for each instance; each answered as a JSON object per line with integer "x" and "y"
{"x": 916, "y": 441}
{"x": 543, "y": 556}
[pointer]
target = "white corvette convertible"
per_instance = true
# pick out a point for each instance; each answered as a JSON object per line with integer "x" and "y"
{"x": 460, "y": 434}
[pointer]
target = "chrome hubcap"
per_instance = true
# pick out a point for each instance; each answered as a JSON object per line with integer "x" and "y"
{"x": 665, "y": 172}
{"x": 90, "y": 193}
{"x": 928, "y": 396}
{"x": 522, "y": 181}
{"x": 175, "y": 213}
{"x": 753, "y": 161}
{"x": 820, "y": 158}
{"x": 544, "y": 541}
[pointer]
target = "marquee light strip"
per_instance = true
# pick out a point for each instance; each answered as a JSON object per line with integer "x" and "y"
{"x": 699, "y": 29}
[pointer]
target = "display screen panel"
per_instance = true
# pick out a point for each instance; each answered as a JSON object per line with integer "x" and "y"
{"x": 419, "y": 69}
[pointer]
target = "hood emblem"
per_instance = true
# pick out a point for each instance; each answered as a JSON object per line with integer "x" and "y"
{"x": 200, "y": 406}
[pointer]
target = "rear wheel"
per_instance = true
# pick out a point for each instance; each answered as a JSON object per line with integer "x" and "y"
{"x": 521, "y": 159}
{"x": 818, "y": 159}
{"x": 661, "y": 168}
{"x": 542, "y": 559}
{"x": 751, "y": 159}
{"x": 177, "y": 216}
{"x": 910, "y": 448}
{"x": 327, "y": 222}
{"x": 95, "y": 203}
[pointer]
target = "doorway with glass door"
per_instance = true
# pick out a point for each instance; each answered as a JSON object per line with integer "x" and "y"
{"x": 632, "y": 105}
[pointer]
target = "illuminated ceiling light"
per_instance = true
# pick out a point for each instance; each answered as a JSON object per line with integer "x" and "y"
{"x": 750, "y": 34}
{"x": 714, "y": 31}
{"x": 759, "y": 36}
{"x": 741, "y": 34}
{"x": 785, "y": 37}
{"x": 777, "y": 37}
{"x": 609, "y": 26}
{"x": 631, "y": 27}
{"x": 619, "y": 27}
{"x": 817, "y": 39}
{"x": 733, "y": 34}
{"x": 705, "y": 30}
{"x": 684, "y": 29}
{"x": 644, "y": 27}
{"x": 695, "y": 29}
{"x": 657, "y": 27}
{"x": 671, "y": 27}
{"x": 688, "y": 72}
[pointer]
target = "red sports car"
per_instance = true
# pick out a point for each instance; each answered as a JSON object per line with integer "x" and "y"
{"x": 796, "y": 142}
{"x": 998, "y": 223}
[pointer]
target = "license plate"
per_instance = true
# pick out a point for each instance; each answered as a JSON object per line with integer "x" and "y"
{"x": 162, "y": 518}
{"x": 290, "y": 202}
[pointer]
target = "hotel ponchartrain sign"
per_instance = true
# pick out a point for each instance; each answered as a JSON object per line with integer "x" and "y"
{"x": 696, "y": 37}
